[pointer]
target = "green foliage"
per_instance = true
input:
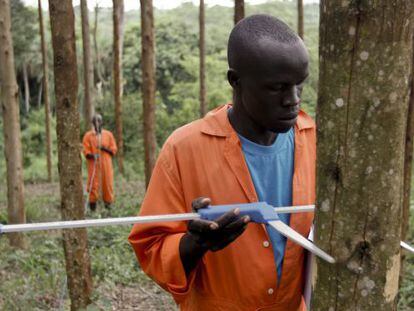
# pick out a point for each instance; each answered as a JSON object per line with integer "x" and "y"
{"x": 34, "y": 145}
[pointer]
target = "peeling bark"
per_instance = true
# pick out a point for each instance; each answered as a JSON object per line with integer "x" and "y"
{"x": 75, "y": 241}
{"x": 148, "y": 85}
{"x": 11, "y": 127}
{"x": 365, "y": 67}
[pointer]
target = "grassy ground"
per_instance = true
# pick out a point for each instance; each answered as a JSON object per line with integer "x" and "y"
{"x": 35, "y": 279}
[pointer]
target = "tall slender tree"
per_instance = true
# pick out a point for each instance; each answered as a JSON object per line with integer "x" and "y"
{"x": 99, "y": 80}
{"x": 68, "y": 132}
{"x": 11, "y": 127}
{"x": 88, "y": 104}
{"x": 26, "y": 87}
{"x": 301, "y": 30}
{"x": 148, "y": 85}
{"x": 238, "y": 10}
{"x": 118, "y": 22}
{"x": 203, "y": 108}
{"x": 45, "y": 86}
{"x": 362, "y": 116}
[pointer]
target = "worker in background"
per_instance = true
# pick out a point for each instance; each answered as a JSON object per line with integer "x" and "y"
{"x": 99, "y": 147}
{"x": 260, "y": 148}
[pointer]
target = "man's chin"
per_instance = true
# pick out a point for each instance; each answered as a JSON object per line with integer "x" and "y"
{"x": 283, "y": 126}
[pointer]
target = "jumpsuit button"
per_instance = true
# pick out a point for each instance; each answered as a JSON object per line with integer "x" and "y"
{"x": 270, "y": 291}
{"x": 266, "y": 243}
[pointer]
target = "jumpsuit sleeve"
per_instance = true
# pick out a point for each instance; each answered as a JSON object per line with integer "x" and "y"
{"x": 157, "y": 245}
{"x": 87, "y": 148}
{"x": 112, "y": 144}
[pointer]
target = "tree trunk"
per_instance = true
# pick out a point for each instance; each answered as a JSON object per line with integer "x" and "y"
{"x": 238, "y": 10}
{"x": 301, "y": 31}
{"x": 99, "y": 80}
{"x": 203, "y": 108}
{"x": 408, "y": 166}
{"x": 362, "y": 116}
{"x": 88, "y": 106}
{"x": 118, "y": 21}
{"x": 11, "y": 127}
{"x": 45, "y": 85}
{"x": 75, "y": 242}
{"x": 26, "y": 89}
{"x": 40, "y": 94}
{"x": 148, "y": 85}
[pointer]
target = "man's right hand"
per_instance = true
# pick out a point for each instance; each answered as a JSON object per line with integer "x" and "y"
{"x": 92, "y": 156}
{"x": 204, "y": 235}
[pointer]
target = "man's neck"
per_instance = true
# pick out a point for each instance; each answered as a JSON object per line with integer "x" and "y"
{"x": 247, "y": 128}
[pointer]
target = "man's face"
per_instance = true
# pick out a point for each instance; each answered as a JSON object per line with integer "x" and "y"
{"x": 271, "y": 85}
{"x": 97, "y": 123}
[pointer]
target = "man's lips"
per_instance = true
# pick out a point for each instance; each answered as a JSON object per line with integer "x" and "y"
{"x": 289, "y": 116}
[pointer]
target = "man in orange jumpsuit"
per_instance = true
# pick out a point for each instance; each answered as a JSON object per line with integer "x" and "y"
{"x": 230, "y": 156}
{"x": 99, "y": 147}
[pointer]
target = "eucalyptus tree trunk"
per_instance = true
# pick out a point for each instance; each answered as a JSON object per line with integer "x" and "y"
{"x": 118, "y": 22}
{"x": 238, "y": 10}
{"x": 11, "y": 127}
{"x": 148, "y": 85}
{"x": 301, "y": 31}
{"x": 98, "y": 67}
{"x": 26, "y": 89}
{"x": 45, "y": 86}
{"x": 408, "y": 167}
{"x": 75, "y": 241}
{"x": 202, "y": 43}
{"x": 365, "y": 67}
{"x": 88, "y": 106}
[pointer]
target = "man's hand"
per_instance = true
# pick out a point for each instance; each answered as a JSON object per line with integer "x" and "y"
{"x": 204, "y": 235}
{"x": 106, "y": 150}
{"x": 92, "y": 156}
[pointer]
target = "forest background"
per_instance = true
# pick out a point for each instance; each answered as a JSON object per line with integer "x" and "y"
{"x": 36, "y": 278}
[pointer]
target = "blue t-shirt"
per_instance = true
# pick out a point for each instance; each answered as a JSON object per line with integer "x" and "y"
{"x": 271, "y": 170}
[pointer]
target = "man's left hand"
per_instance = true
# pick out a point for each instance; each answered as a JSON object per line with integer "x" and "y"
{"x": 106, "y": 150}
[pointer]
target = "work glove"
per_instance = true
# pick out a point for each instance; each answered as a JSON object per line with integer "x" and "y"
{"x": 216, "y": 235}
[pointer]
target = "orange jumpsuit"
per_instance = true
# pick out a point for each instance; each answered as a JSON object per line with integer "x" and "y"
{"x": 204, "y": 158}
{"x": 103, "y": 177}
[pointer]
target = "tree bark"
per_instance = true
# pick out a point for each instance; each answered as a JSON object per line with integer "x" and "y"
{"x": 301, "y": 31}
{"x": 98, "y": 68}
{"x": 361, "y": 119}
{"x": 11, "y": 127}
{"x": 148, "y": 85}
{"x": 118, "y": 21}
{"x": 408, "y": 159}
{"x": 26, "y": 89}
{"x": 203, "y": 108}
{"x": 88, "y": 106}
{"x": 238, "y": 10}
{"x": 45, "y": 85}
{"x": 75, "y": 242}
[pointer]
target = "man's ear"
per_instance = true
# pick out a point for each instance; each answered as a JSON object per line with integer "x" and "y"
{"x": 233, "y": 78}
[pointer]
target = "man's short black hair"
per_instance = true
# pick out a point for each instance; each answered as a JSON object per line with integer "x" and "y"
{"x": 246, "y": 34}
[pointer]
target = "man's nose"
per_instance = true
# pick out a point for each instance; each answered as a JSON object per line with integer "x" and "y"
{"x": 291, "y": 96}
